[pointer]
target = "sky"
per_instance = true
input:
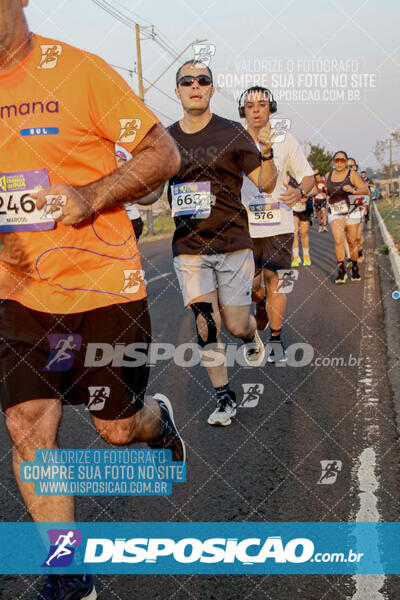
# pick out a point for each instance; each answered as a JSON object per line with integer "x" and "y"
{"x": 333, "y": 65}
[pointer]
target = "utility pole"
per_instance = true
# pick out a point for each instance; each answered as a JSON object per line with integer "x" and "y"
{"x": 391, "y": 169}
{"x": 148, "y": 209}
{"x": 139, "y": 63}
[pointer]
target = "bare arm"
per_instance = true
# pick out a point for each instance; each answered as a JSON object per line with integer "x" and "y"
{"x": 307, "y": 183}
{"x": 313, "y": 192}
{"x": 151, "y": 197}
{"x": 154, "y": 160}
{"x": 361, "y": 187}
{"x": 294, "y": 195}
{"x": 265, "y": 177}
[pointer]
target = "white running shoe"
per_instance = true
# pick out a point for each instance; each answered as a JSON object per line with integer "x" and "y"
{"x": 225, "y": 410}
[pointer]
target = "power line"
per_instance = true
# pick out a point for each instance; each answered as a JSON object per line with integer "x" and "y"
{"x": 167, "y": 41}
{"x": 129, "y": 71}
{"x": 125, "y": 20}
{"x": 119, "y": 16}
{"x": 155, "y": 33}
{"x": 164, "y": 46}
{"x": 132, "y": 12}
{"x": 162, "y": 91}
{"x": 132, "y": 71}
{"x": 160, "y": 113}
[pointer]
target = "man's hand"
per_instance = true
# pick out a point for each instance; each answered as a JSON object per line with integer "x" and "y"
{"x": 291, "y": 196}
{"x": 266, "y": 138}
{"x": 65, "y": 204}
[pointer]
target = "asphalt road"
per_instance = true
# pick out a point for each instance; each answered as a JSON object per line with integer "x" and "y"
{"x": 267, "y": 465}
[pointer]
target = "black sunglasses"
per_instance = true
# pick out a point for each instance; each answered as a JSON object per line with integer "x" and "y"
{"x": 187, "y": 80}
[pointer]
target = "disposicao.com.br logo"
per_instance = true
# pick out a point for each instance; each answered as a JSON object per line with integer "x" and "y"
{"x": 248, "y": 551}
{"x": 191, "y": 550}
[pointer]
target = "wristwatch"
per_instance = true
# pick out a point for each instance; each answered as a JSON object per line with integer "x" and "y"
{"x": 303, "y": 194}
{"x": 268, "y": 156}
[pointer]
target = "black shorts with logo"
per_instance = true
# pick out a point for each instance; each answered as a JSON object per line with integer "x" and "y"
{"x": 77, "y": 357}
{"x": 273, "y": 253}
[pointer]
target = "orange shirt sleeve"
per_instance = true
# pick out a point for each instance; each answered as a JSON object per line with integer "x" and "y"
{"x": 117, "y": 114}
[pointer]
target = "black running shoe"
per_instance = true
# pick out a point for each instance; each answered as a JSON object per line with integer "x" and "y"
{"x": 69, "y": 587}
{"x": 355, "y": 273}
{"x": 341, "y": 276}
{"x": 170, "y": 438}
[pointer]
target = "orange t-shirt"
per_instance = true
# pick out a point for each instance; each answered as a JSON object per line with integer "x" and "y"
{"x": 63, "y": 109}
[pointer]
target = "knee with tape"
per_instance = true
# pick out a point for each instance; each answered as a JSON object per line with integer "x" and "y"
{"x": 205, "y": 310}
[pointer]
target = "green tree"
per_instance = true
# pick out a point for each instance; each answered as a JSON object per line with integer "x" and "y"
{"x": 320, "y": 159}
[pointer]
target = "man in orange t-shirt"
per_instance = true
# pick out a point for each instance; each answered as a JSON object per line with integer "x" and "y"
{"x": 71, "y": 279}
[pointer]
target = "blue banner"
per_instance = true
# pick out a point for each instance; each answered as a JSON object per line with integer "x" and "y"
{"x": 200, "y": 548}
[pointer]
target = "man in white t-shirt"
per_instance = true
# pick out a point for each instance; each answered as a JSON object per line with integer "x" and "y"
{"x": 270, "y": 216}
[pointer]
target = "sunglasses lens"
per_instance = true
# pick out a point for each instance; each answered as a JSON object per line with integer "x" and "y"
{"x": 339, "y": 160}
{"x": 186, "y": 81}
{"x": 203, "y": 81}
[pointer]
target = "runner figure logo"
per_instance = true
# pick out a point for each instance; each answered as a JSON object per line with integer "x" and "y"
{"x": 133, "y": 281}
{"x": 330, "y": 470}
{"x": 50, "y": 56}
{"x": 252, "y": 393}
{"x": 287, "y": 279}
{"x": 129, "y": 128}
{"x": 203, "y": 53}
{"x": 280, "y": 128}
{"x": 62, "y": 351}
{"x": 97, "y": 397}
{"x": 54, "y": 206}
{"x": 63, "y": 543}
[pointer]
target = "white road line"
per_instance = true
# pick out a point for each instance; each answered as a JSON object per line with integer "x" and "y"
{"x": 158, "y": 277}
{"x": 368, "y": 586}
{"x": 367, "y": 429}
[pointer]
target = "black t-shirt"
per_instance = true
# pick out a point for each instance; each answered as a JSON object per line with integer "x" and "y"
{"x": 217, "y": 156}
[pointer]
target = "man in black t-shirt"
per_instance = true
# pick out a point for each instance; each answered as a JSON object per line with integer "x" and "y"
{"x": 212, "y": 247}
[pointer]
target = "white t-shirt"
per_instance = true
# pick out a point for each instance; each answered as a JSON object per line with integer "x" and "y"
{"x": 268, "y": 216}
{"x": 132, "y": 210}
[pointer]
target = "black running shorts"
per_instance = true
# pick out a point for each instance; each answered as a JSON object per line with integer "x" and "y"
{"x": 302, "y": 216}
{"x": 77, "y": 358}
{"x": 319, "y": 203}
{"x": 274, "y": 252}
